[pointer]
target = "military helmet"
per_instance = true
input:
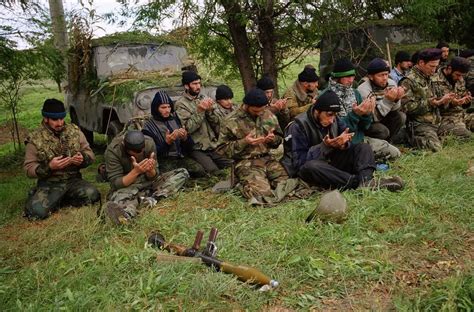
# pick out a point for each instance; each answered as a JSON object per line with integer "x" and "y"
{"x": 332, "y": 207}
{"x": 134, "y": 140}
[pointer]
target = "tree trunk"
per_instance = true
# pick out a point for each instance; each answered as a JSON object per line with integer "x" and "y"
{"x": 240, "y": 42}
{"x": 267, "y": 39}
{"x": 56, "y": 11}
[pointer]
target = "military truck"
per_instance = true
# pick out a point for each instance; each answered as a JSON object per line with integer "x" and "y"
{"x": 116, "y": 81}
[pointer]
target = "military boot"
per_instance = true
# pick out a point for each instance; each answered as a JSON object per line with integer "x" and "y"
{"x": 392, "y": 184}
{"x": 117, "y": 213}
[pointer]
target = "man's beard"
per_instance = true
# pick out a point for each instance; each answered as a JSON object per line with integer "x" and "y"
{"x": 194, "y": 93}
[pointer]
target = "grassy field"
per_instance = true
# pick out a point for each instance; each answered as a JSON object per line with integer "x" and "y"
{"x": 404, "y": 251}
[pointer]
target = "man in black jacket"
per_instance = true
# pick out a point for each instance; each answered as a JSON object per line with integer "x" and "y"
{"x": 318, "y": 149}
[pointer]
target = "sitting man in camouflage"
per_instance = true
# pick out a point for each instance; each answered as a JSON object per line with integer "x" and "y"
{"x": 198, "y": 116}
{"x": 277, "y": 106}
{"x": 54, "y": 155}
{"x": 356, "y": 111}
{"x": 247, "y": 135}
{"x": 449, "y": 80}
{"x": 133, "y": 174}
{"x": 225, "y": 106}
{"x": 173, "y": 144}
{"x": 303, "y": 92}
{"x": 420, "y": 102}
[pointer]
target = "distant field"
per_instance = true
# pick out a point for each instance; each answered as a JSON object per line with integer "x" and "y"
{"x": 407, "y": 251}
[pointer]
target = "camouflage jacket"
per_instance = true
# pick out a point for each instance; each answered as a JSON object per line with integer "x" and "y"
{"x": 118, "y": 163}
{"x": 43, "y": 145}
{"x": 443, "y": 86}
{"x": 221, "y": 112}
{"x": 416, "y": 102}
{"x": 200, "y": 125}
{"x": 298, "y": 100}
{"x": 238, "y": 125}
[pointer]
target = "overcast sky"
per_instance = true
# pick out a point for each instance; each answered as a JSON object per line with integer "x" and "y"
{"x": 101, "y": 7}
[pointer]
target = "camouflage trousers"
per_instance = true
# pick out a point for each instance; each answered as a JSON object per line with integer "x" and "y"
{"x": 264, "y": 179}
{"x": 454, "y": 125}
{"x": 469, "y": 120}
{"x": 193, "y": 167}
{"x": 424, "y": 136}
{"x": 382, "y": 149}
{"x": 49, "y": 196}
{"x": 166, "y": 185}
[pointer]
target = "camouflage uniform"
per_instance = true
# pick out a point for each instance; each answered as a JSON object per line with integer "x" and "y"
{"x": 201, "y": 126}
{"x": 257, "y": 171}
{"x": 423, "y": 118}
{"x": 452, "y": 117}
{"x": 298, "y": 100}
{"x": 283, "y": 115}
{"x": 469, "y": 79}
{"x": 359, "y": 124}
{"x": 118, "y": 165}
{"x": 221, "y": 113}
{"x": 59, "y": 187}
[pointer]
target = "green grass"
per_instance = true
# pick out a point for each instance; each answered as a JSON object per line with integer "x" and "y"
{"x": 406, "y": 251}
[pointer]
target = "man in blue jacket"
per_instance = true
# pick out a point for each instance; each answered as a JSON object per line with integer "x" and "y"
{"x": 319, "y": 150}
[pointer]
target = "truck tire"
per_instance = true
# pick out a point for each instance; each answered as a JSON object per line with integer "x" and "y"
{"x": 115, "y": 127}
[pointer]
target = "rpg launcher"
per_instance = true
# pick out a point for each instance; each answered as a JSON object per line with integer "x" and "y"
{"x": 208, "y": 257}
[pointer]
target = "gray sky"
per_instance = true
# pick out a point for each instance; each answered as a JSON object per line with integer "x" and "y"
{"x": 101, "y": 7}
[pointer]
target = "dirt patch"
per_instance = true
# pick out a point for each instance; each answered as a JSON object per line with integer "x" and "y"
{"x": 6, "y": 135}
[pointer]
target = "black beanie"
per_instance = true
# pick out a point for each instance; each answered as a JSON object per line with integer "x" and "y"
{"x": 189, "y": 76}
{"x": 328, "y": 101}
{"x": 265, "y": 83}
{"x": 161, "y": 97}
{"x": 134, "y": 140}
{"x": 255, "y": 97}
{"x": 308, "y": 75}
{"x": 460, "y": 64}
{"x": 54, "y": 109}
{"x": 402, "y": 56}
{"x": 223, "y": 92}
{"x": 467, "y": 53}
{"x": 343, "y": 68}
{"x": 428, "y": 55}
{"x": 377, "y": 65}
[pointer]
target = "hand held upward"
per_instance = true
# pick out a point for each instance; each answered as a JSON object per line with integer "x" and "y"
{"x": 340, "y": 141}
{"x": 280, "y": 104}
{"x": 394, "y": 94}
{"x": 252, "y": 140}
{"x": 145, "y": 166}
{"x": 270, "y": 136}
{"x": 205, "y": 105}
{"x": 59, "y": 162}
{"x": 365, "y": 108}
{"x": 77, "y": 159}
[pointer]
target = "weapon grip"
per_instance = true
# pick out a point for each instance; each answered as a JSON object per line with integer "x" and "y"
{"x": 197, "y": 240}
{"x": 213, "y": 234}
